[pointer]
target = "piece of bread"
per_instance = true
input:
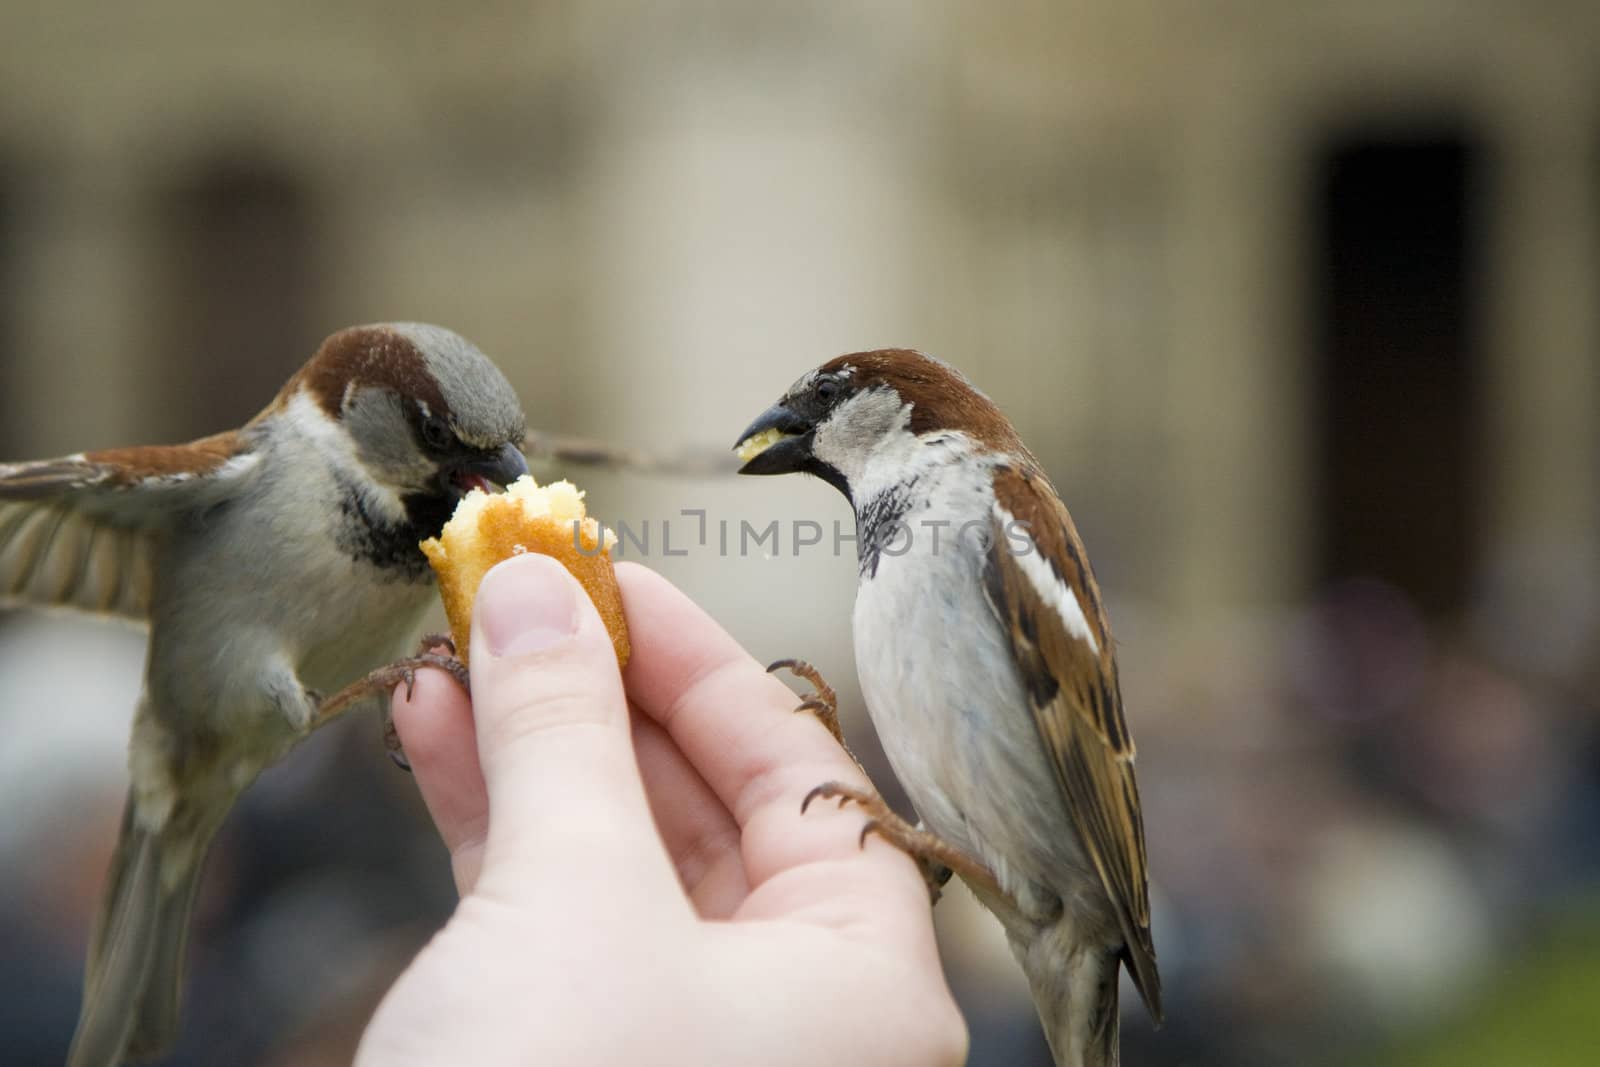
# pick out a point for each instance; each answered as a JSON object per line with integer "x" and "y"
{"x": 757, "y": 443}
{"x": 489, "y": 527}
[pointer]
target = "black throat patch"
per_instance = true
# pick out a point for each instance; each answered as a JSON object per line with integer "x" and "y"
{"x": 388, "y": 545}
{"x": 880, "y": 527}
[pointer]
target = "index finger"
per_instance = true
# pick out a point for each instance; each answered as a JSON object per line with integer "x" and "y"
{"x": 737, "y": 726}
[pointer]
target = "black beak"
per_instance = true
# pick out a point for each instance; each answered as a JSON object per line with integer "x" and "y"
{"x": 789, "y": 453}
{"x": 497, "y": 468}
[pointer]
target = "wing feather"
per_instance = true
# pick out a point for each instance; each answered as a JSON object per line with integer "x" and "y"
{"x": 80, "y": 531}
{"x": 1065, "y": 651}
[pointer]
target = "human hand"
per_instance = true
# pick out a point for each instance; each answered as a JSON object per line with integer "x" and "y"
{"x": 642, "y": 888}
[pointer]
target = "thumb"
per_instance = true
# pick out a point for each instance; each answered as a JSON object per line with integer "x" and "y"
{"x": 566, "y": 804}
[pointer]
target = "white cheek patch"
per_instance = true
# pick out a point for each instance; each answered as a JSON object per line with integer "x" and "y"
{"x": 1016, "y": 540}
{"x": 307, "y": 420}
{"x": 864, "y": 427}
{"x": 307, "y": 430}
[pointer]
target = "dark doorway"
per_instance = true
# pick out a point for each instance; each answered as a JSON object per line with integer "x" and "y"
{"x": 1398, "y": 348}
{"x": 240, "y": 244}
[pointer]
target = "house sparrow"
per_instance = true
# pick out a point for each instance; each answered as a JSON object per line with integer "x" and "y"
{"x": 273, "y": 563}
{"x": 987, "y": 664}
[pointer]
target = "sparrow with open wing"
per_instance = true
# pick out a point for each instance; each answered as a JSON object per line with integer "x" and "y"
{"x": 987, "y": 664}
{"x": 273, "y": 563}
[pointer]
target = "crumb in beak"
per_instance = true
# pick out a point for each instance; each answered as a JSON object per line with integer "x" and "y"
{"x": 757, "y": 443}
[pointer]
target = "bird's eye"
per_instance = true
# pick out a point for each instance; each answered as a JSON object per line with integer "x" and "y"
{"x": 827, "y": 389}
{"x": 436, "y": 432}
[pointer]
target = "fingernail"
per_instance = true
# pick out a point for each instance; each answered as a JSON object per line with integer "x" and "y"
{"x": 526, "y": 604}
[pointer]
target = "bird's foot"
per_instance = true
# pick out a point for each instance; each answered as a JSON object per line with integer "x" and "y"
{"x": 824, "y": 703}
{"x": 934, "y": 856}
{"x": 436, "y": 651}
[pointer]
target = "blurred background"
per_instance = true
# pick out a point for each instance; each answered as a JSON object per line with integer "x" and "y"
{"x": 1296, "y": 302}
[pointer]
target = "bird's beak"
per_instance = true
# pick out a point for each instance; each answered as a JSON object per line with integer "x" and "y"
{"x": 484, "y": 472}
{"x": 778, "y": 442}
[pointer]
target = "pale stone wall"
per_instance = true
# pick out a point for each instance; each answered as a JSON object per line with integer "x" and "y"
{"x": 655, "y": 214}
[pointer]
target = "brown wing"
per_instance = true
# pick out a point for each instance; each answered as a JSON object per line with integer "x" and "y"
{"x": 1064, "y": 649}
{"x": 79, "y": 531}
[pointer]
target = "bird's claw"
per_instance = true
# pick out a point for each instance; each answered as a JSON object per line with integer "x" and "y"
{"x": 384, "y": 680}
{"x": 431, "y": 642}
{"x": 434, "y": 650}
{"x": 935, "y": 858}
{"x": 391, "y": 744}
{"x": 824, "y": 703}
{"x": 823, "y": 790}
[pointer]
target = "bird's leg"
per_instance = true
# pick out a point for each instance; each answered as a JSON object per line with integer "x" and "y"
{"x": 936, "y": 857}
{"x": 384, "y": 679}
{"x": 824, "y": 703}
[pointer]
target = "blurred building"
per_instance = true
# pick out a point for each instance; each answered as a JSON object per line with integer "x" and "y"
{"x": 1283, "y": 294}
{"x": 1149, "y": 227}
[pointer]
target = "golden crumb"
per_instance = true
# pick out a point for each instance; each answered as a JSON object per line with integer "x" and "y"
{"x": 757, "y": 443}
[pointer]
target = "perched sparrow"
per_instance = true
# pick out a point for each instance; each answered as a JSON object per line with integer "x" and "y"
{"x": 988, "y": 668}
{"x": 273, "y": 563}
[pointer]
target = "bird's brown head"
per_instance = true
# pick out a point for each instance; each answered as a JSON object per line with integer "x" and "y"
{"x": 836, "y": 418}
{"x": 426, "y": 413}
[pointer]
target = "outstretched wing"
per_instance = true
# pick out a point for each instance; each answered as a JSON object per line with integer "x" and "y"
{"x": 1040, "y": 585}
{"x": 79, "y": 531}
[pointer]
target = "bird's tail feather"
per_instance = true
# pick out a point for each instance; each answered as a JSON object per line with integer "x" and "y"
{"x": 134, "y": 974}
{"x": 1079, "y": 1010}
{"x": 155, "y": 1028}
{"x": 1104, "y": 1045}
